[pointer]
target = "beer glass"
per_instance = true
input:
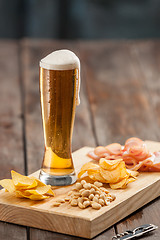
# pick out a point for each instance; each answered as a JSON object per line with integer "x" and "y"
{"x": 59, "y": 94}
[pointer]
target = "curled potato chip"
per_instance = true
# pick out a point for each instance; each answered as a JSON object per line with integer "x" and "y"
{"x": 130, "y": 179}
{"x": 93, "y": 171}
{"x": 115, "y": 175}
{"x": 109, "y": 171}
{"x": 123, "y": 183}
{"x": 88, "y": 166}
{"x": 120, "y": 184}
{"x": 81, "y": 173}
{"x": 96, "y": 176}
{"x": 133, "y": 174}
{"x": 109, "y": 164}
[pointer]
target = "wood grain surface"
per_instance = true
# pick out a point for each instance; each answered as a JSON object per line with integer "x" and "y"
{"x": 72, "y": 220}
{"x": 119, "y": 98}
{"x": 11, "y": 132}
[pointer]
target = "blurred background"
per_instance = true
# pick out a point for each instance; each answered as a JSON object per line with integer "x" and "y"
{"x": 82, "y": 19}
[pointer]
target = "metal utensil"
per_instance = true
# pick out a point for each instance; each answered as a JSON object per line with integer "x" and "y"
{"x": 137, "y": 232}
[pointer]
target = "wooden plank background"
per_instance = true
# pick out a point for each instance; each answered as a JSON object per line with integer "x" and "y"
{"x": 119, "y": 99}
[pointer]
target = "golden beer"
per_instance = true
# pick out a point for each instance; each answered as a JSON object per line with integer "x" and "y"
{"x": 59, "y": 96}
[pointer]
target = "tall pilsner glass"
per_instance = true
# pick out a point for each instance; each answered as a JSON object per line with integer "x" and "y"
{"x": 59, "y": 94}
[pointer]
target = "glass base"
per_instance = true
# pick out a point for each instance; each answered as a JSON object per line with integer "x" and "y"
{"x": 54, "y": 180}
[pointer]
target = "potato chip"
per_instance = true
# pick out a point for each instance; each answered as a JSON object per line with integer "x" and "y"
{"x": 96, "y": 176}
{"x": 109, "y": 164}
{"x": 81, "y": 173}
{"x": 50, "y": 192}
{"x": 39, "y": 183}
{"x": 33, "y": 185}
{"x": 120, "y": 184}
{"x": 19, "y": 195}
{"x": 88, "y": 166}
{"x": 36, "y": 196}
{"x": 21, "y": 181}
{"x": 130, "y": 179}
{"x": 8, "y": 185}
{"x": 115, "y": 175}
{"x": 123, "y": 183}
{"x": 109, "y": 171}
{"x": 133, "y": 174}
{"x": 39, "y": 190}
{"x": 22, "y": 194}
{"x": 39, "y": 197}
{"x": 27, "y": 187}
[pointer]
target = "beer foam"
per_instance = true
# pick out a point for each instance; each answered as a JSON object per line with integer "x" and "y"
{"x": 63, "y": 60}
{"x": 60, "y": 60}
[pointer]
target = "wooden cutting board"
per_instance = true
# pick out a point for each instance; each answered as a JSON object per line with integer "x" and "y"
{"x": 81, "y": 222}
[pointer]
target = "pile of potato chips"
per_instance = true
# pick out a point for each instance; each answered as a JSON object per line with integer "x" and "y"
{"x": 113, "y": 172}
{"x": 26, "y": 187}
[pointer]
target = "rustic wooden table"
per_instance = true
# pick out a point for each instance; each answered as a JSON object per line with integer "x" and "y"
{"x": 120, "y": 98}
